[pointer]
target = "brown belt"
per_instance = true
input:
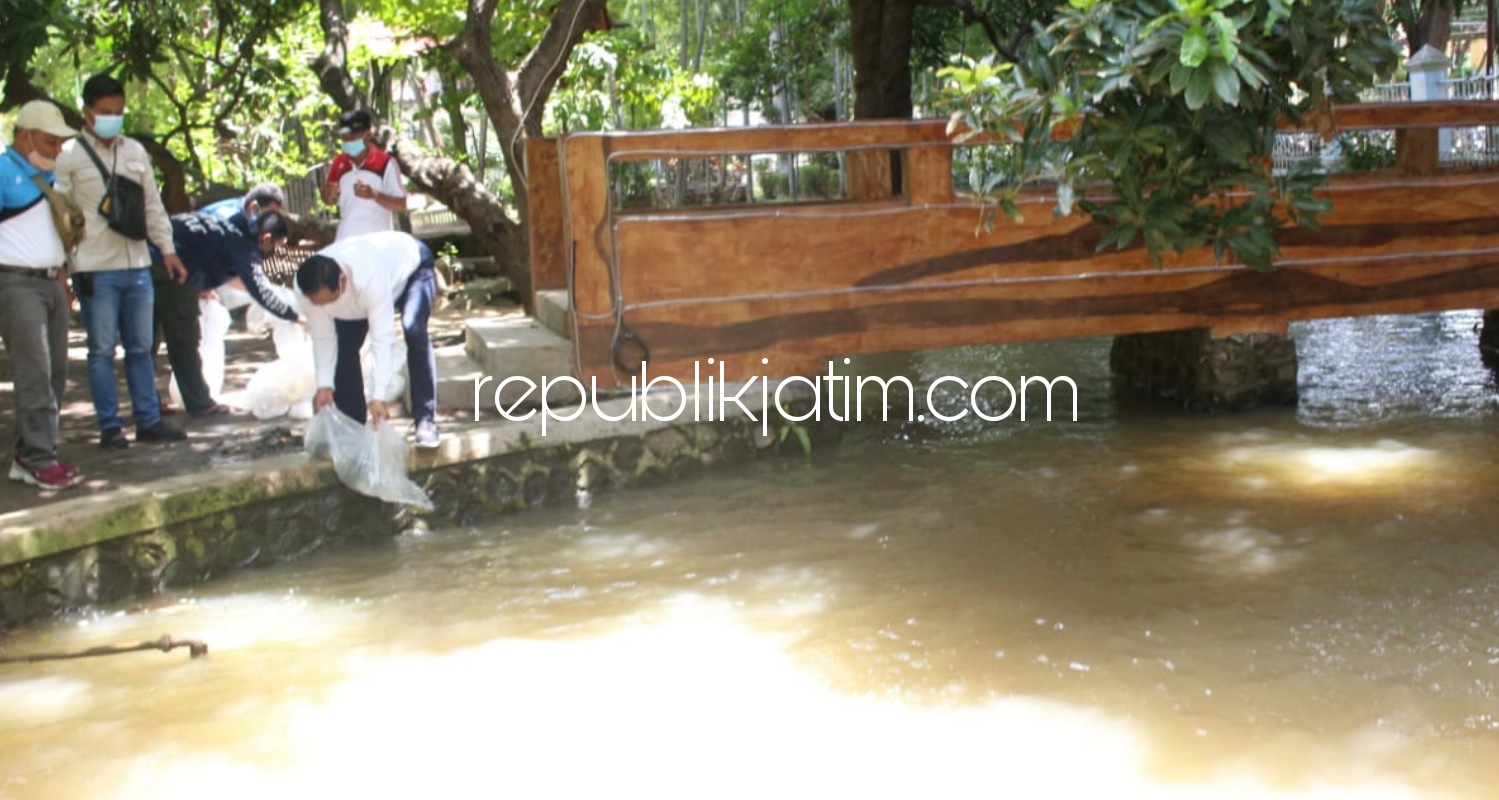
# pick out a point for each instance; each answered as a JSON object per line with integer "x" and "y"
{"x": 50, "y": 273}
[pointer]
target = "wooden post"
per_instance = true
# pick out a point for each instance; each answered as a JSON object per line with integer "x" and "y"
{"x": 545, "y": 222}
{"x": 1417, "y": 151}
{"x": 586, "y": 194}
{"x": 929, "y": 175}
{"x": 868, "y": 175}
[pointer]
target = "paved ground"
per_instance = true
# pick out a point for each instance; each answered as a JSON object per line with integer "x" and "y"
{"x": 210, "y": 442}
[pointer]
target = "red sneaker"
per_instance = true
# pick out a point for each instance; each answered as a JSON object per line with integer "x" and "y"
{"x": 53, "y": 477}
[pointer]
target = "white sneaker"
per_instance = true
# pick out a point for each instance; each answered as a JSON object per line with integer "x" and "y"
{"x": 426, "y": 435}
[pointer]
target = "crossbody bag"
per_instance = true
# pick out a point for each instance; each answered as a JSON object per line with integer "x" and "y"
{"x": 124, "y": 201}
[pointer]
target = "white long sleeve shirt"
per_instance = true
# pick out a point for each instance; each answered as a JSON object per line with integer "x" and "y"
{"x": 378, "y": 266}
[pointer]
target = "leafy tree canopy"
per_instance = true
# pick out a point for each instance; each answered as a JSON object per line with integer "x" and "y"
{"x": 1172, "y": 107}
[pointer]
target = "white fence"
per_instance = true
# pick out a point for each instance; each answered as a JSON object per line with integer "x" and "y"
{"x": 1469, "y": 146}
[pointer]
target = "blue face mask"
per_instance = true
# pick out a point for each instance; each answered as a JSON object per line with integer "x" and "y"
{"x": 354, "y": 148}
{"x": 108, "y": 126}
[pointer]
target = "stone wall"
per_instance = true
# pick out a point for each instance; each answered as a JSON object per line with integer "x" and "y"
{"x": 190, "y": 548}
{"x": 1198, "y": 372}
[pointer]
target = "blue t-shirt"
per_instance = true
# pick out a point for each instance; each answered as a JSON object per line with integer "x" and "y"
{"x": 225, "y": 208}
{"x": 28, "y": 237}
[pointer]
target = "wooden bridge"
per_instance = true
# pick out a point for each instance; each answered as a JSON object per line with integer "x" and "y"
{"x": 779, "y": 289}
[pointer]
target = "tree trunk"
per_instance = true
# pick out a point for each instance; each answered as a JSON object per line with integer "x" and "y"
{"x": 880, "y": 41}
{"x": 173, "y": 177}
{"x": 456, "y": 186}
{"x": 683, "y": 45}
{"x": 1433, "y": 25}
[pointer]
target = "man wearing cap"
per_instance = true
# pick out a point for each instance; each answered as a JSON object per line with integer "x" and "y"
{"x": 33, "y": 302}
{"x": 364, "y": 181}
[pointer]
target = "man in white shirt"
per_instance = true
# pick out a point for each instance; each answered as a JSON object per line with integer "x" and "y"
{"x": 351, "y": 290}
{"x": 364, "y": 181}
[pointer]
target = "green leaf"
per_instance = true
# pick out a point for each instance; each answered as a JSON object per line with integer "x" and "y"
{"x": 1198, "y": 89}
{"x": 1228, "y": 36}
{"x": 1225, "y": 83}
{"x": 1194, "y": 47}
{"x": 1180, "y": 77}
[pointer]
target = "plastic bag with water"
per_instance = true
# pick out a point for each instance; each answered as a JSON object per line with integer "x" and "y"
{"x": 370, "y": 461}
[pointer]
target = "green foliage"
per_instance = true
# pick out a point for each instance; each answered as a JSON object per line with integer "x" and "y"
{"x": 790, "y": 428}
{"x": 618, "y": 81}
{"x": 1367, "y": 151}
{"x": 224, "y": 87}
{"x": 774, "y": 185}
{"x": 1171, "y": 107}
{"x": 819, "y": 180}
{"x": 783, "y": 46}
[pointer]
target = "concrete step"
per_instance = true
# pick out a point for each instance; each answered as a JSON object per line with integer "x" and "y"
{"x": 554, "y": 312}
{"x": 496, "y": 348}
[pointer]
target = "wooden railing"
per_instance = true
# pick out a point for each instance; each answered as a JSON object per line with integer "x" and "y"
{"x": 780, "y": 289}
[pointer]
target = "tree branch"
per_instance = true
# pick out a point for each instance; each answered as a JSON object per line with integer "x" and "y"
{"x": 972, "y": 16}
{"x": 331, "y": 65}
{"x": 546, "y": 62}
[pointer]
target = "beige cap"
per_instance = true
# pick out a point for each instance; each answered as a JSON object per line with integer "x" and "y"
{"x": 44, "y": 116}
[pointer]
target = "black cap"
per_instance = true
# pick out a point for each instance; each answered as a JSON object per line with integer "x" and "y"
{"x": 354, "y": 122}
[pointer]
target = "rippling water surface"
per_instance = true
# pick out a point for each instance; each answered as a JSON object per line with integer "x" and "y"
{"x": 1287, "y": 603}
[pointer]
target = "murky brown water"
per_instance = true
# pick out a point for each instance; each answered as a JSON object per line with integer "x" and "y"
{"x": 1292, "y": 603}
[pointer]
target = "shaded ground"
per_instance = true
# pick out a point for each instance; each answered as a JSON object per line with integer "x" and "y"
{"x": 210, "y": 442}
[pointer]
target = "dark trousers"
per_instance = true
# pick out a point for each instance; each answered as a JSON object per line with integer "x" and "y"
{"x": 415, "y": 306}
{"x": 177, "y": 322}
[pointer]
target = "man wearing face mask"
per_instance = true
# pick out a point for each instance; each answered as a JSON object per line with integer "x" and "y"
{"x": 33, "y": 302}
{"x": 111, "y": 272}
{"x": 364, "y": 181}
{"x": 215, "y": 251}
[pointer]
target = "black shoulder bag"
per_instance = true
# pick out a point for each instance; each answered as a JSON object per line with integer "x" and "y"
{"x": 124, "y": 201}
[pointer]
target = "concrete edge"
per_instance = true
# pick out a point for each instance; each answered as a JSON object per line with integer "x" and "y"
{"x": 34, "y": 533}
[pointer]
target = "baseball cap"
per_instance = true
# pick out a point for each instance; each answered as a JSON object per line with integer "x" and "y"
{"x": 354, "y": 122}
{"x": 44, "y": 116}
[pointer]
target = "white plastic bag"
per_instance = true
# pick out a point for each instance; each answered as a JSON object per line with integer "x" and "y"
{"x": 213, "y": 322}
{"x": 284, "y": 387}
{"x": 396, "y": 391}
{"x": 281, "y": 387}
{"x": 369, "y": 461}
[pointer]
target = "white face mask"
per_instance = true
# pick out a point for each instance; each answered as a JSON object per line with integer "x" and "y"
{"x": 40, "y": 162}
{"x": 36, "y": 159}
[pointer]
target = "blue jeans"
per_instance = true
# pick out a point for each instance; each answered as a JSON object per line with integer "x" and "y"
{"x": 415, "y": 305}
{"x": 117, "y": 306}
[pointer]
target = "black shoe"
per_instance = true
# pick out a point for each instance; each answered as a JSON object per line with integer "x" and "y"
{"x": 159, "y": 433}
{"x": 113, "y": 439}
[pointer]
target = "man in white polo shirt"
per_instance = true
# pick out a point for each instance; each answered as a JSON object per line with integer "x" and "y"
{"x": 33, "y": 304}
{"x": 364, "y": 181}
{"x": 352, "y": 289}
